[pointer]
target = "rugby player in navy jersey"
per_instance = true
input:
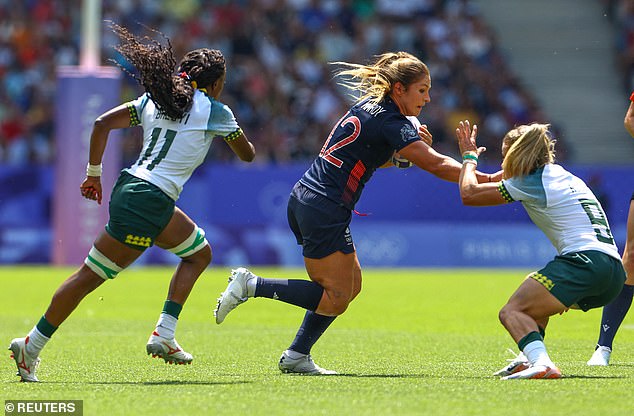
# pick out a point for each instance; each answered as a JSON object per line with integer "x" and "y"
{"x": 375, "y": 130}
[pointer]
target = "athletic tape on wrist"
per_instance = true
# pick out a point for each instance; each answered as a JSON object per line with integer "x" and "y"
{"x": 94, "y": 170}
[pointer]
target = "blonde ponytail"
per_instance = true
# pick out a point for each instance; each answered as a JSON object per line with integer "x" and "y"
{"x": 529, "y": 147}
{"x": 376, "y": 80}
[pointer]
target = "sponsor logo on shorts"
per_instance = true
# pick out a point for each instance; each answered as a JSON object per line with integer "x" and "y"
{"x": 348, "y": 236}
{"x": 548, "y": 284}
{"x": 138, "y": 241}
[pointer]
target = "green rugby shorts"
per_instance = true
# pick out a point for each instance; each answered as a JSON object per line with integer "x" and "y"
{"x": 139, "y": 211}
{"x": 588, "y": 279}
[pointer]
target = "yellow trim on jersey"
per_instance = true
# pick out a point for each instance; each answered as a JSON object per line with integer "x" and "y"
{"x": 505, "y": 194}
{"x": 134, "y": 117}
{"x": 233, "y": 136}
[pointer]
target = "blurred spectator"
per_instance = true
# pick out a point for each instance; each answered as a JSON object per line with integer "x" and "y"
{"x": 280, "y": 83}
{"x": 621, "y": 13}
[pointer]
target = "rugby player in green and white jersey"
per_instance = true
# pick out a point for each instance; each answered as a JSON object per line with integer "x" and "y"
{"x": 180, "y": 115}
{"x": 587, "y": 272}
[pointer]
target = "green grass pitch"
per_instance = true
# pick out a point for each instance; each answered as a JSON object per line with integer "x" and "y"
{"x": 414, "y": 342}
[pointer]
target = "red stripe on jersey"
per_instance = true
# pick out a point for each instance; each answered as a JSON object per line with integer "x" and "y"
{"x": 353, "y": 181}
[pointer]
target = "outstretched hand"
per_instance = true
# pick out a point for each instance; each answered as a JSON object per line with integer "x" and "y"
{"x": 91, "y": 188}
{"x": 467, "y": 138}
{"x": 425, "y": 134}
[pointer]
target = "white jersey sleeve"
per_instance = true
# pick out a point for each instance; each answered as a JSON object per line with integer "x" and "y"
{"x": 222, "y": 122}
{"x": 564, "y": 208}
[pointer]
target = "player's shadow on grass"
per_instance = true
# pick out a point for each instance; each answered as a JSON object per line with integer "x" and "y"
{"x": 379, "y": 375}
{"x": 623, "y": 365}
{"x": 191, "y": 383}
{"x": 565, "y": 376}
{"x": 598, "y": 377}
{"x": 155, "y": 383}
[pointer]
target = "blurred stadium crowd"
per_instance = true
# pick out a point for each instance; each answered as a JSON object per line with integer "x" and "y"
{"x": 621, "y": 14}
{"x": 279, "y": 80}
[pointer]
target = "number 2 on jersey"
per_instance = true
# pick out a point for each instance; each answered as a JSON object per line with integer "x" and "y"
{"x": 169, "y": 139}
{"x": 326, "y": 152}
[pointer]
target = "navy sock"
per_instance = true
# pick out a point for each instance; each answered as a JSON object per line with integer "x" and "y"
{"x": 309, "y": 332}
{"x": 613, "y": 315}
{"x": 303, "y": 293}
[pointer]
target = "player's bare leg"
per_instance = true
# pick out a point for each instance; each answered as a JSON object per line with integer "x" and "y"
{"x": 531, "y": 303}
{"x": 184, "y": 238}
{"x": 97, "y": 268}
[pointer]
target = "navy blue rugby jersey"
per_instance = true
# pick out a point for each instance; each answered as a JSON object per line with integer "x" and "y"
{"x": 362, "y": 140}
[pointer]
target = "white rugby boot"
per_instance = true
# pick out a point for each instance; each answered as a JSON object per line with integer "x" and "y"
{"x": 535, "y": 372}
{"x": 516, "y": 364}
{"x": 27, "y": 365}
{"x": 235, "y": 294}
{"x": 167, "y": 349}
{"x": 302, "y": 365}
{"x": 600, "y": 357}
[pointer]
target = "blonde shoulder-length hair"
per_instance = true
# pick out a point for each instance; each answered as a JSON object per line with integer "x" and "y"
{"x": 526, "y": 148}
{"x": 376, "y": 80}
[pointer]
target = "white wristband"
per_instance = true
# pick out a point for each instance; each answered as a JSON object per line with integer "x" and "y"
{"x": 93, "y": 170}
{"x": 470, "y": 162}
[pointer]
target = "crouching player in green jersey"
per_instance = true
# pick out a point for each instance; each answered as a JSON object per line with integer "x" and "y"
{"x": 587, "y": 272}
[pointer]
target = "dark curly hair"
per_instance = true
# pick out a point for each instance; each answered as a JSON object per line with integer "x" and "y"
{"x": 171, "y": 93}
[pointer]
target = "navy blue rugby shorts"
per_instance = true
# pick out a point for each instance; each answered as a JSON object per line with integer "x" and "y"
{"x": 320, "y": 225}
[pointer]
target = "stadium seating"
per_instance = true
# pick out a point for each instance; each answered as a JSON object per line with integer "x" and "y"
{"x": 279, "y": 83}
